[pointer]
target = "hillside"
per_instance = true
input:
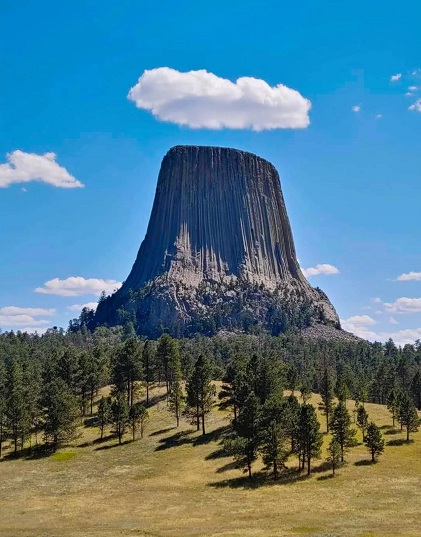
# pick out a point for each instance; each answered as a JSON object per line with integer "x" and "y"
{"x": 178, "y": 483}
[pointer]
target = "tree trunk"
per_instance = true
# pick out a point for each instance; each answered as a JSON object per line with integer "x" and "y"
{"x": 407, "y": 433}
{"x": 197, "y": 417}
{"x": 203, "y": 423}
{"x": 249, "y": 468}
{"x": 308, "y": 465}
{"x": 275, "y": 470}
{"x": 372, "y": 454}
{"x": 147, "y": 393}
{"x": 92, "y": 401}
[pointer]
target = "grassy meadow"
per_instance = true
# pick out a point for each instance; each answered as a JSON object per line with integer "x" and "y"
{"x": 174, "y": 482}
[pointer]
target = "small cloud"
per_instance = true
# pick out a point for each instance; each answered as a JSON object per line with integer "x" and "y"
{"x": 408, "y": 276}
{"x": 408, "y": 94}
{"x": 404, "y": 305}
{"x": 14, "y": 317}
{"x": 358, "y": 324}
{"x": 356, "y": 108}
{"x": 79, "y": 307}
{"x": 416, "y": 72}
{"x": 416, "y": 106}
{"x": 392, "y": 320}
{"x": 203, "y": 100}
{"x": 379, "y": 116}
{"x": 321, "y": 268}
{"x": 413, "y": 88}
{"x": 395, "y": 78}
{"x": 26, "y": 167}
{"x": 78, "y": 286}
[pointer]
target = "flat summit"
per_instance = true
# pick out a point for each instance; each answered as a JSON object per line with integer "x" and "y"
{"x": 218, "y": 253}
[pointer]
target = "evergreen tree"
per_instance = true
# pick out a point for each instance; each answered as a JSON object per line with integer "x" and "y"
{"x": 416, "y": 389}
{"x": 176, "y": 400}
{"x": 137, "y": 416}
{"x": 393, "y": 404}
{"x": 291, "y": 416}
{"x": 200, "y": 392}
{"x": 334, "y": 454}
{"x": 327, "y": 394}
{"x": 245, "y": 444}
{"x": 305, "y": 390}
{"x": 374, "y": 441}
{"x": 61, "y": 412}
{"x": 362, "y": 419}
{"x": 148, "y": 366}
{"x": 310, "y": 439}
{"x": 272, "y": 435}
{"x": 407, "y": 415}
{"x": 104, "y": 414}
{"x": 127, "y": 369}
{"x": 342, "y": 431}
{"x": 17, "y": 414}
{"x": 341, "y": 389}
{"x": 167, "y": 353}
{"x": 120, "y": 415}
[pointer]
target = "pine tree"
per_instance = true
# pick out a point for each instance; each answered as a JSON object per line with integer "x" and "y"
{"x": 200, "y": 392}
{"x": 120, "y": 415}
{"x": 127, "y": 369}
{"x": 272, "y": 435}
{"x": 166, "y": 354}
{"x": 407, "y": 415}
{"x": 374, "y": 441}
{"x": 393, "y": 404}
{"x": 291, "y": 416}
{"x": 342, "y": 431}
{"x": 138, "y": 415}
{"x": 104, "y": 414}
{"x": 334, "y": 454}
{"x": 148, "y": 366}
{"x": 327, "y": 394}
{"x": 305, "y": 390}
{"x": 362, "y": 419}
{"x": 61, "y": 412}
{"x": 310, "y": 439}
{"x": 245, "y": 444}
{"x": 176, "y": 400}
{"x": 416, "y": 389}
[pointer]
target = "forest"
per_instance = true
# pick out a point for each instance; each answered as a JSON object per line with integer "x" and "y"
{"x": 50, "y": 384}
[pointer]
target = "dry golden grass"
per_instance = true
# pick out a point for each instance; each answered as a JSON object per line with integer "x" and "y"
{"x": 176, "y": 483}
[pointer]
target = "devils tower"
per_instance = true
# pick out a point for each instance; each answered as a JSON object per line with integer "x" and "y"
{"x": 218, "y": 253}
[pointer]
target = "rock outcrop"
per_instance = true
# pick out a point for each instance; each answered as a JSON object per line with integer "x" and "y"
{"x": 218, "y": 252}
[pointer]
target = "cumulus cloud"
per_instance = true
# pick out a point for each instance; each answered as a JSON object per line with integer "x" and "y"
{"x": 17, "y": 317}
{"x": 357, "y": 324}
{"x": 415, "y": 106}
{"x": 78, "y": 286}
{"x": 395, "y": 78}
{"x": 79, "y": 307}
{"x": 199, "y": 99}
{"x": 321, "y": 268}
{"x": 379, "y": 116}
{"x": 408, "y": 276}
{"x": 404, "y": 305}
{"x": 361, "y": 326}
{"x": 413, "y": 88}
{"x": 26, "y": 167}
{"x": 356, "y": 108}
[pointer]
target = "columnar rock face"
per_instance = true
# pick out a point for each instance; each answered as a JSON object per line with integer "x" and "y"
{"x": 218, "y": 233}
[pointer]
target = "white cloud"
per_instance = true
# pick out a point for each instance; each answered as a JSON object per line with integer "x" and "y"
{"x": 15, "y": 310}
{"x": 321, "y": 268}
{"x": 78, "y": 286}
{"x": 358, "y": 324}
{"x": 25, "y": 167}
{"x": 379, "y": 116}
{"x": 413, "y": 88}
{"x": 16, "y": 317}
{"x": 356, "y": 108}
{"x": 395, "y": 78}
{"x": 199, "y": 99}
{"x": 408, "y": 94}
{"x": 392, "y": 320}
{"x": 79, "y": 307}
{"x": 408, "y": 276}
{"x": 416, "y": 106}
{"x": 404, "y": 305}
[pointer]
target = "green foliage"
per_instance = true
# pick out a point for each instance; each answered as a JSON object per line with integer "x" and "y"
{"x": 272, "y": 435}
{"x": 407, "y": 414}
{"x": 334, "y": 454}
{"x": 200, "y": 392}
{"x": 120, "y": 415}
{"x": 310, "y": 439}
{"x": 104, "y": 414}
{"x": 342, "y": 431}
{"x": 374, "y": 441}
{"x": 138, "y": 415}
{"x": 327, "y": 394}
{"x": 362, "y": 419}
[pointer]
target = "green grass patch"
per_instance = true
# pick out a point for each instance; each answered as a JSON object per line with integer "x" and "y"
{"x": 67, "y": 455}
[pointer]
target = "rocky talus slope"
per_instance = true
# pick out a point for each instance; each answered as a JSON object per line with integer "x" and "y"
{"x": 218, "y": 253}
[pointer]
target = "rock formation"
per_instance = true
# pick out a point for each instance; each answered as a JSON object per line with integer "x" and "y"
{"x": 218, "y": 252}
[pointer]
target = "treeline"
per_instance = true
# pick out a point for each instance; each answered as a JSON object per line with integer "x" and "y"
{"x": 276, "y": 427}
{"x": 50, "y": 383}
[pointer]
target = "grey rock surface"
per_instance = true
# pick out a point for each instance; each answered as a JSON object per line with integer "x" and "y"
{"x": 218, "y": 232}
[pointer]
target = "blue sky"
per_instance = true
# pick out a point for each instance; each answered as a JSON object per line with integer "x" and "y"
{"x": 351, "y": 178}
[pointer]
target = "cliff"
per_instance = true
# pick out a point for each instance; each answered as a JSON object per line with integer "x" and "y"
{"x": 218, "y": 249}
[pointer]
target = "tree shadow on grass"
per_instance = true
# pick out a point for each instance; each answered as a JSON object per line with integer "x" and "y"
{"x": 365, "y": 462}
{"x": 178, "y": 439}
{"x": 217, "y": 454}
{"x": 28, "y": 454}
{"x": 385, "y": 427}
{"x": 97, "y": 441}
{"x": 155, "y": 399}
{"x": 211, "y": 436}
{"x": 392, "y": 431}
{"x": 92, "y": 421}
{"x": 400, "y": 442}
{"x": 261, "y": 479}
{"x": 226, "y": 467}
{"x": 326, "y": 477}
{"x": 111, "y": 446}
{"x": 162, "y": 431}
